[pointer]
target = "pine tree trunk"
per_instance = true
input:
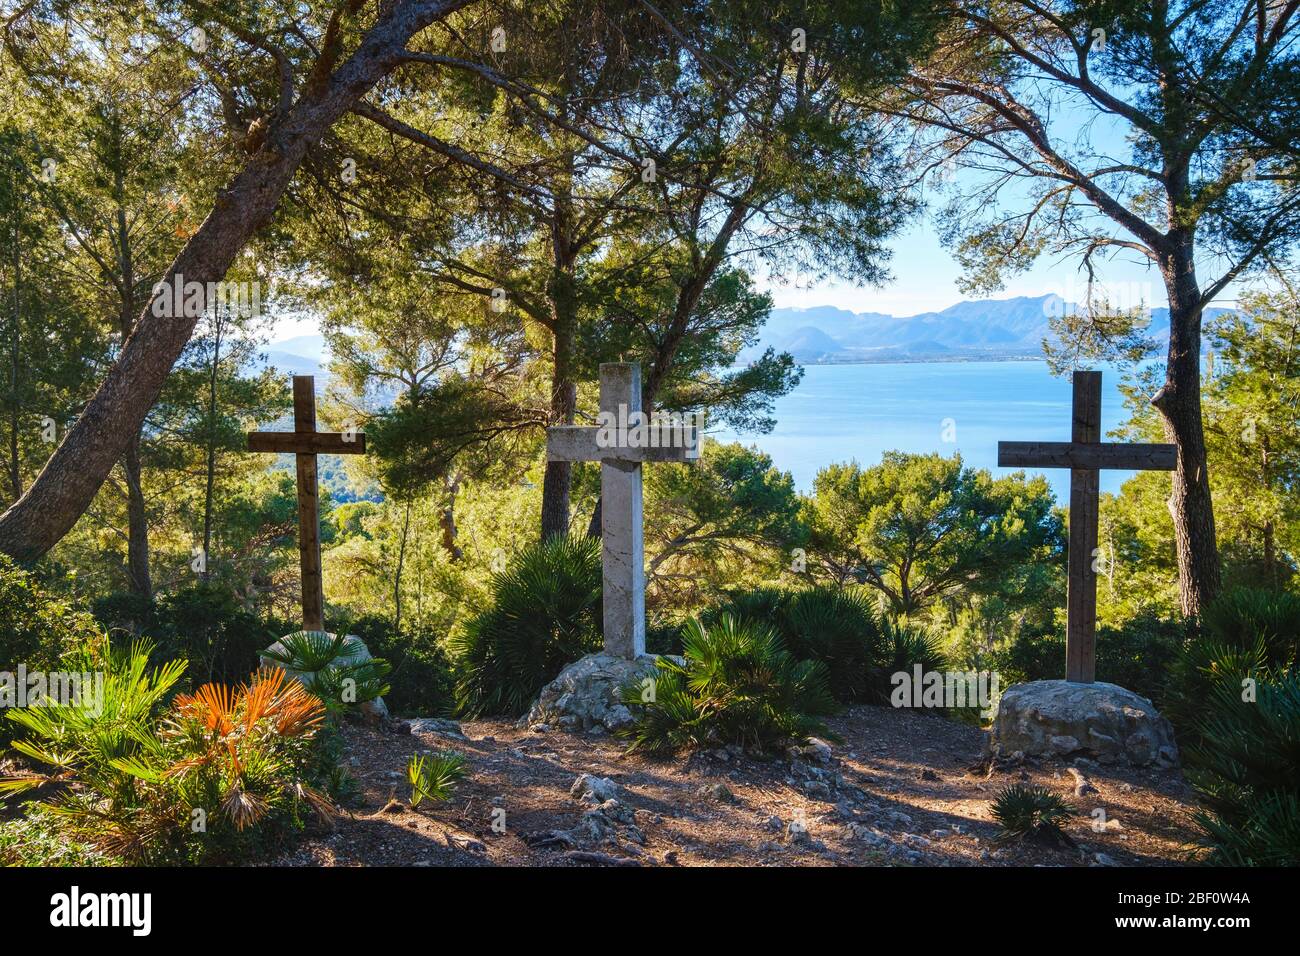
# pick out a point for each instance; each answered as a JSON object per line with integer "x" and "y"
{"x": 211, "y": 464}
{"x": 558, "y": 478}
{"x": 1179, "y": 403}
{"x": 401, "y": 564}
{"x": 137, "y": 520}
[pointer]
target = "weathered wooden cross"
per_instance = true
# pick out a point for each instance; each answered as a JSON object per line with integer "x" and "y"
{"x": 306, "y": 443}
{"x": 1084, "y": 455}
{"x": 622, "y": 446}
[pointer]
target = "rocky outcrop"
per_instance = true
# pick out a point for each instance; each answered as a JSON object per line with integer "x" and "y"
{"x": 1102, "y": 721}
{"x": 586, "y": 694}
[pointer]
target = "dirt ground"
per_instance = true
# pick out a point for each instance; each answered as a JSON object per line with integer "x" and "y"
{"x": 898, "y": 788}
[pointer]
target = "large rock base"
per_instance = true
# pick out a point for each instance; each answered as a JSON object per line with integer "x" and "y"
{"x": 1102, "y": 721}
{"x": 585, "y": 696}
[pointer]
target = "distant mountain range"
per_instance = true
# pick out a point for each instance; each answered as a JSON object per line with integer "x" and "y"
{"x": 300, "y": 355}
{"x": 988, "y": 329}
{"x": 968, "y": 331}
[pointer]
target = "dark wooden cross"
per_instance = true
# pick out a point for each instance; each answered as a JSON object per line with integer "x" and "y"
{"x": 1084, "y": 455}
{"x": 306, "y": 443}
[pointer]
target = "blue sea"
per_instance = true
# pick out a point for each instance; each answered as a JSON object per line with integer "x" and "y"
{"x": 855, "y": 412}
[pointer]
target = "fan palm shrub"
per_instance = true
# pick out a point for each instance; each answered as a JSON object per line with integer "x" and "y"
{"x": 544, "y": 613}
{"x": 1026, "y": 811}
{"x": 206, "y": 779}
{"x": 1243, "y": 632}
{"x": 903, "y": 646}
{"x": 835, "y": 626}
{"x": 737, "y": 684}
{"x": 1245, "y": 769}
{"x": 434, "y": 776}
{"x": 335, "y": 667}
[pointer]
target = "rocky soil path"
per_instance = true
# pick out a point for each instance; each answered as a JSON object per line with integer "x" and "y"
{"x": 898, "y": 788}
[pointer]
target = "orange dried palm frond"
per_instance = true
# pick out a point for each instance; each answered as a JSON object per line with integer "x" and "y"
{"x": 259, "y": 696}
{"x": 212, "y": 704}
{"x": 296, "y": 710}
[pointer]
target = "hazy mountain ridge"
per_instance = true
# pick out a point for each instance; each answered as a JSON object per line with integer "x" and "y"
{"x": 969, "y": 330}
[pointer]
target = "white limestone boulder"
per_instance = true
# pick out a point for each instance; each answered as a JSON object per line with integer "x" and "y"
{"x": 586, "y": 694}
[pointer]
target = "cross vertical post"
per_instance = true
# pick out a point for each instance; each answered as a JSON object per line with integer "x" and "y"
{"x": 623, "y": 552}
{"x": 1081, "y": 593}
{"x": 1085, "y": 455}
{"x": 305, "y": 443}
{"x": 313, "y": 587}
{"x": 626, "y": 440}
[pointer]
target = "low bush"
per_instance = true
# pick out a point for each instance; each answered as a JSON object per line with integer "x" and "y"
{"x": 544, "y": 613}
{"x": 1027, "y": 812}
{"x": 1137, "y": 656}
{"x": 421, "y": 681}
{"x": 205, "y": 624}
{"x": 737, "y": 685}
{"x": 214, "y": 776}
{"x": 837, "y": 627}
{"x": 1245, "y": 768}
{"x": 37, "y": 630}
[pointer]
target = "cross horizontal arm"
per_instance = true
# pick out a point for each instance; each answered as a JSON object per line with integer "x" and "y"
{"x": 579, "y": 443}
{"x": 1086, "y": 455}
{"x": 308, "y": 443}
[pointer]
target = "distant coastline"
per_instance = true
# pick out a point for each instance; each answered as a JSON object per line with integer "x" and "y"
{"x": 927, "y": 359}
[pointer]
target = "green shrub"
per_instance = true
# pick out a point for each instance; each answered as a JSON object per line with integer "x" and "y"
{"x": 1245, "y": 768}
{"x": 1137, "y": 656}
{"x": 333, "y": 666}
{"x": 434, "y": 776}
{"x": 544, "y": 613}
{"x": 738, "y": 685}
{"x": 215, "y": 777}
{"x": 421, "y": 681}
{"x": 1243, "y": 631}
{"x": 839, "y": 628}
{"x": 1025, "y": 811}
{"x": 36, "y": 628}
{"x": 39, "y": 838}
{"x": 205, "y": 624}
{"x": 1240, "y": 617}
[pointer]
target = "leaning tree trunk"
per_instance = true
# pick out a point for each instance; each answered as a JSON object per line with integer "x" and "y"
{"x": 1179, "y": 403}
{"x": 68, "y": 483}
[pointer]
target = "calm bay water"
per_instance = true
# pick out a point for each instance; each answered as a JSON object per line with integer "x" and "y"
{"x": 844, "y": 412}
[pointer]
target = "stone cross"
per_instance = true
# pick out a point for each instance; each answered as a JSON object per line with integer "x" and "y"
{"x": 622, "y": 442}
{"x": 306, "y": 443}
{"x": 1084, "y": 455}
